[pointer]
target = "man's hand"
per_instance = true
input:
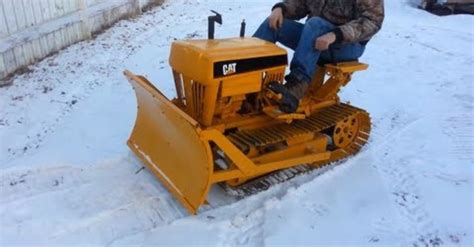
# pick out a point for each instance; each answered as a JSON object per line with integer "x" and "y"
{"x": 323, "y": 42}
{"x": 276, "y": 19}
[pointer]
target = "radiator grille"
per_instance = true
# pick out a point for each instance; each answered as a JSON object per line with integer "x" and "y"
{"x": 198, "y": 92}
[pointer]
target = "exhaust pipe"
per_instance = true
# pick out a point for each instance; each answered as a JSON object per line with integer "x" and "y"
{"x": 212, "y": 21}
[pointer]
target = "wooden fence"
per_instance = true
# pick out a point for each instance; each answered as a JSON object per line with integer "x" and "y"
{"x": 33, "y": 29}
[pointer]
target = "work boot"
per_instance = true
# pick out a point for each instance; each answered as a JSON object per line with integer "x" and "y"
{"x": 292, "y": 92}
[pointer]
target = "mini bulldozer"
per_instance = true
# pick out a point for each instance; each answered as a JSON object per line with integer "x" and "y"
{"x": 204, "y": 136}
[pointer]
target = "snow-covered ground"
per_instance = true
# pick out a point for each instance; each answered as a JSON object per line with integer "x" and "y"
{"x": 67, "y": 177}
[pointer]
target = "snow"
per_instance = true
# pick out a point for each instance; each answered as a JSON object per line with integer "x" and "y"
{"x": 68, "y": 178}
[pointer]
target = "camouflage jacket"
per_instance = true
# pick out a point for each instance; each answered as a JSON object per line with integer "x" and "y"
{"x": 357, "y": 20}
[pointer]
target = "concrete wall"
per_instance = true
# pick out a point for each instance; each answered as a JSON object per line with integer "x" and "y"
{"x": 33, "y": 29}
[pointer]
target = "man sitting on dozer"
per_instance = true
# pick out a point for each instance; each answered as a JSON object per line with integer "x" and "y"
{"x": 335, "y": 31}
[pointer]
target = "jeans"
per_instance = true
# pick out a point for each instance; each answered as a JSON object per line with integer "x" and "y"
{"x": 301, "y": 38}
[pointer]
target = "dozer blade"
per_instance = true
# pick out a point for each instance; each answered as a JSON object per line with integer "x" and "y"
{"x": 168, "y": 142}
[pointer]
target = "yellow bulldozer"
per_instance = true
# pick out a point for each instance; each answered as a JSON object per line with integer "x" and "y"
{"x": 204, "y": 137}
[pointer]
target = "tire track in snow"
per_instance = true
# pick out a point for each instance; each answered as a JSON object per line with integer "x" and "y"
{"x": 462, "y": 131}
{"x": 22, "y": 185}
{"x": 248, "y": 229}
{"x": 96, "y": 204}
{"x": 140, "y": 215}
{"x": 61, "y": 100}
{"x": 419, "y": 228}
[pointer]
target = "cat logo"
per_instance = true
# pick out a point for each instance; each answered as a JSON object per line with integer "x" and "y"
{"x": 229, "y": 69}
